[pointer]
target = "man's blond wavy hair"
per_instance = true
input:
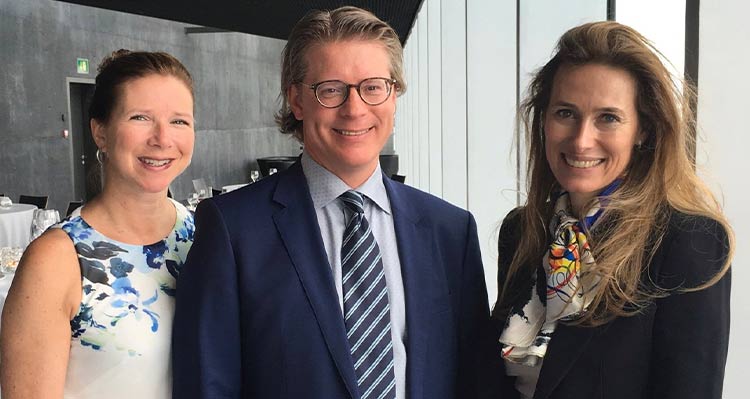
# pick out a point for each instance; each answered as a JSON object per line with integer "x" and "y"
{"x": 322, "y": 27}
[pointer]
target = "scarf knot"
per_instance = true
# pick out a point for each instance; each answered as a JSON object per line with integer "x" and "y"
{"x": 570, "y": 284}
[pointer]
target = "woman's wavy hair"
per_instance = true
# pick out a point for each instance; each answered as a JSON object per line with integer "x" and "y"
{"x": 321, "y": 27}
{"x": 660, "y": 178}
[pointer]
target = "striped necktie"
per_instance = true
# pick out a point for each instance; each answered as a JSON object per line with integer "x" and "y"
{"x": 366, "y": 309}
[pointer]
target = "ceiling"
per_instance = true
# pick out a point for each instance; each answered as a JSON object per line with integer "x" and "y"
{"x": 269, "y": 18}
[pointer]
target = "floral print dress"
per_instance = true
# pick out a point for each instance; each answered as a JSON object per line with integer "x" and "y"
{"x": 121, "y": 336}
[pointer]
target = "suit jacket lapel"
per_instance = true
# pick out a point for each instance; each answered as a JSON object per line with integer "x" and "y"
{"x": 422, "y": 285}
{"x": 299, "y": 229}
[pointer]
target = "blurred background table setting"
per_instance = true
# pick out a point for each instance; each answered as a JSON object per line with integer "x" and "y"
{"x": 19, "y": 225}
{"x": 15, "y": 223}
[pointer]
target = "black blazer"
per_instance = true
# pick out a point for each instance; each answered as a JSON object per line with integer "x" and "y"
{"x": 675, "y": 348}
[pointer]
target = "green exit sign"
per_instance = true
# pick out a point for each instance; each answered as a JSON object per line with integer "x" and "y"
{"x": 82, "y": 65}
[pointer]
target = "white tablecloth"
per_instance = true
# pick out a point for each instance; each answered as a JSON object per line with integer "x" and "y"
{"x": 4, "y": 287}
{"x": 15, "y": 225}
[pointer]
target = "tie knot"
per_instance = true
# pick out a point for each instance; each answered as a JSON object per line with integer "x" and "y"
{"x": 353, "y": 201}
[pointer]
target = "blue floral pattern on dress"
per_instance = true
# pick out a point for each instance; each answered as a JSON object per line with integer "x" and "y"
{"x": 127, "y": 290}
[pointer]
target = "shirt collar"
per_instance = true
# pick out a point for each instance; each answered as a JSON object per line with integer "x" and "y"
{"x": 326, "y": 187}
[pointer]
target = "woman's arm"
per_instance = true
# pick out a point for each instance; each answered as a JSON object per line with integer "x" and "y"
{"x": 691, "y": 329}
{"x": 507, "y": 242}
{"x": 35, "y": 336}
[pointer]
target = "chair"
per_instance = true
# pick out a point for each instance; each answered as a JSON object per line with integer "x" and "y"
{"x": 39, "y": 201}
{"x": 73, "y": 205}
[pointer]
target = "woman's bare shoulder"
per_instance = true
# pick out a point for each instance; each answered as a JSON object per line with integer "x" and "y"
{"x": 49, "y": 250}
{"x": 48, "y": 271}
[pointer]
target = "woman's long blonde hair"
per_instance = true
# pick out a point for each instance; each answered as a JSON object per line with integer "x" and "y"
{"x": 660, "y": 178}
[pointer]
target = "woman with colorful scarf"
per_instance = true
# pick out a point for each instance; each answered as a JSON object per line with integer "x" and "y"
{"x": 614, "y": 277}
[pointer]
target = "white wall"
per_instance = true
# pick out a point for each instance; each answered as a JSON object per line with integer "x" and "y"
{"x": 724, "y": 140}
{"x": 663, "y": 25}
{"x": 491, "y": 102}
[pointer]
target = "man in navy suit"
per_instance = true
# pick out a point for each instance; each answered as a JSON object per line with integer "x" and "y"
{"x": 276, "y": 301}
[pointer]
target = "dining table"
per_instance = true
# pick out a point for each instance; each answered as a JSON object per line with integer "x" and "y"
{"x": 15, "y": 225}
{"x": 5, "y": 280}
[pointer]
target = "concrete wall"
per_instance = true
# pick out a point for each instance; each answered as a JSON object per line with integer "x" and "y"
{"x": 236, "y": 89}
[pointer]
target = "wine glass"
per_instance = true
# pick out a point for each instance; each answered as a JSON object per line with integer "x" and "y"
{"x": 4, "y": 258}
{"x": 193, "y": 200}
{"x": 42, "y": 220}
{"x": 9, "y": 258}
{"x": 254, "y": 175}
{"x": 205, "y": 193}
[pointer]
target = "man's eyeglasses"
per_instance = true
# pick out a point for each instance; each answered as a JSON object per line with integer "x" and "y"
{"x": 333, "y": 93}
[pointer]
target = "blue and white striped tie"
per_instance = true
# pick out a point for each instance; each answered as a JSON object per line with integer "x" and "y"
{"x": 366, "y": 309}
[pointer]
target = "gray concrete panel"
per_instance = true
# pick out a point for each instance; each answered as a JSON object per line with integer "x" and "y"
{"x": 236, "y": 92}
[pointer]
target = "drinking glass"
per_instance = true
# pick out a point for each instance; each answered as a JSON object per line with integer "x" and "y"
{"x": 9, "y": 258}
{"x": 193, "y": 201}
{"x": 42, "y": 220}
{"x": 254, "y": 175}
{"x": 205, "y": 193}
{"x": 3, "y": 261}
{"x": 272, "y": 171}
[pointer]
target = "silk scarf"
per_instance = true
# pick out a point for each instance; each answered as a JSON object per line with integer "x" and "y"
{"x": 569, "y": 285}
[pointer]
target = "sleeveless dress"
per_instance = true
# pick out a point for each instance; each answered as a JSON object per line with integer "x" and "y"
{"x": 121, "y": 337}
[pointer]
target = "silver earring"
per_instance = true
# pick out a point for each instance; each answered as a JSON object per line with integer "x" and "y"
{"x": 100, "y": 156}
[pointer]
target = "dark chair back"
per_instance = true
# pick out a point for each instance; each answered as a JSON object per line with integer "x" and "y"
{"x": 39, "y": 200}
{"x": 72, "y": 205}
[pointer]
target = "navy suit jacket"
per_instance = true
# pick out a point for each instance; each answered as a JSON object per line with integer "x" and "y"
{"x": 258, "y": 316}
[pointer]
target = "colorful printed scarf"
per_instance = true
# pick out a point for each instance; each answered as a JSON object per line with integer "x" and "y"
{"x": 570, "y": 288}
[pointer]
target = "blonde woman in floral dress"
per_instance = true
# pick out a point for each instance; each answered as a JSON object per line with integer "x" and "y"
{"x": 89, "y": 314}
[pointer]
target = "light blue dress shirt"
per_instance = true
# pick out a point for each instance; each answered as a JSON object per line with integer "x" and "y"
{"x": 325, "y": 188}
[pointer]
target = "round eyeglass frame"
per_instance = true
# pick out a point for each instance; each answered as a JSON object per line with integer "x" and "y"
{"x": 314, "y": 87}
